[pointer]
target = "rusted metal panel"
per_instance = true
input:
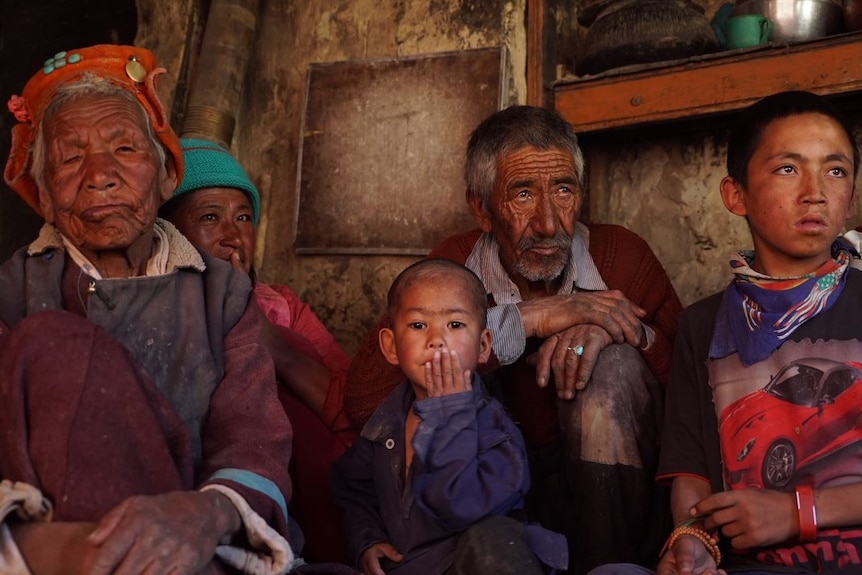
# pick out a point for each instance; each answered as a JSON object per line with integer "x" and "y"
{"x": 710, "y": 84}
{"x": 382, "y": 150}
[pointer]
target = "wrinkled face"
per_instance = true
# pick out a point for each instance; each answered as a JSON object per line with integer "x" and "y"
{"x": 532, "y": 212}
{"x": 800, "y": 187}
{"x": 433, "y": 315}
{"x": 103, "y": 177}
{"x": 219, "y": 221}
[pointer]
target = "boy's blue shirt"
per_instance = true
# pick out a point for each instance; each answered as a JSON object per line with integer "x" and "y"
{"x": 469, "y": 463}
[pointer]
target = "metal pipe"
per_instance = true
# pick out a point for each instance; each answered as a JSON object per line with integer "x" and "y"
{"x": 219, "y": 74}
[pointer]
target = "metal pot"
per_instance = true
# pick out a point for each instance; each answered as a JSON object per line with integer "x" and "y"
{"x": 797, "y": 20}
{"x": 627, "y": 32}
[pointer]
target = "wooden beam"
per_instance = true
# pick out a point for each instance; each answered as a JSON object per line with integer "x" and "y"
{"x": 536, "y": 20}
{"x": 709, "y": 85}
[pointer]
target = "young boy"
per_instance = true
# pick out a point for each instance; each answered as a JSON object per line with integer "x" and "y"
{"x": 428, "y": 486}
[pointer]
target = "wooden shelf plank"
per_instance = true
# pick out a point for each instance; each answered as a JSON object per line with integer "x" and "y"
{"x": 710, "y": 84}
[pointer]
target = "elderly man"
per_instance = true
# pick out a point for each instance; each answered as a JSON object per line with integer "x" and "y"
{"x": 583, "y": 318}
{"x": 138, "y": 402}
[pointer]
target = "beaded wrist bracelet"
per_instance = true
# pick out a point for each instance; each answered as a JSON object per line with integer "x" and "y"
{"x": 708, "y": 540}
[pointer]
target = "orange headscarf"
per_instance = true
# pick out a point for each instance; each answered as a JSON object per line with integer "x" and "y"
{"x": 129, "y": 67}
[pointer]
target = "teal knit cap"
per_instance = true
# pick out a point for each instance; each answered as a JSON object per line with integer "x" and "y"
{"x": 208, "y": 165}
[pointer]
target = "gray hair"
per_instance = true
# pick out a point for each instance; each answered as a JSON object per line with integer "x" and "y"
{"x": 511, "y": 129}
{"x": 88, "y": 85}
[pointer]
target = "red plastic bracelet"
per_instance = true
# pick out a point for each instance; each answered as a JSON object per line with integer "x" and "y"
{"x": 807, "y": 513}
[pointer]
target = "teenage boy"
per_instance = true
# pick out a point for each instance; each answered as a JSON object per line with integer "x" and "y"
{"x": 766, "y": 371}
{"x": 439, "y": 467}
{"x": 763, "y": 431}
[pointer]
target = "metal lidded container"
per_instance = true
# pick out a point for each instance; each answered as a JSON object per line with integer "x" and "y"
{"x": 797, "y": 20}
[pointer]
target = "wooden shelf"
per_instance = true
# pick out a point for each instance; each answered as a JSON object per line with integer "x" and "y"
{"x": 708, "y": 85}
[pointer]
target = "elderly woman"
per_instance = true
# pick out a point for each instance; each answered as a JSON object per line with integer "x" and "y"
{"x": 217, "y": 208}
{"x": 137, "y": 398}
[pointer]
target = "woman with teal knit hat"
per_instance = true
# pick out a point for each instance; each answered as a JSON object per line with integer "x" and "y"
{"x": 218, "y": 177}
{"x": 217, "y": 208}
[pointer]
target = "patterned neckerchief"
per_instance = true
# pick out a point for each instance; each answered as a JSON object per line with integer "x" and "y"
{"x": 758, "y": 312}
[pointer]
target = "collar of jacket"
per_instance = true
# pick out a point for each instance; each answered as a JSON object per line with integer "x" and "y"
{"x": 181, "y": 252}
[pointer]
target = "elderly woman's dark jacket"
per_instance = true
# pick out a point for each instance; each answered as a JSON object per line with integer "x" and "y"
{"x": 205, "y": 379}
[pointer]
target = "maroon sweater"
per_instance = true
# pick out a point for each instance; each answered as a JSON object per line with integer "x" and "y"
{"x": 625, "y": 262}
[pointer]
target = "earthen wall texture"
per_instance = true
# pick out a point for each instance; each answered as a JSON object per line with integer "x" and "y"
{"x": 662, "y": 186}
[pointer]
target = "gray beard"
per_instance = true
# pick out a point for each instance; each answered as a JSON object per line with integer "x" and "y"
{"x": 544, "y": 271}
{"x": 537, "y": 269}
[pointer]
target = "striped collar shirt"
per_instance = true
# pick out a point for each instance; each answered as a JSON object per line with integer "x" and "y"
{"x": 504, "y": 319}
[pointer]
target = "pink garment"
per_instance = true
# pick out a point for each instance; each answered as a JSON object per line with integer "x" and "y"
{"x": 318, "y": 440}
{"x": 283, "y": 308}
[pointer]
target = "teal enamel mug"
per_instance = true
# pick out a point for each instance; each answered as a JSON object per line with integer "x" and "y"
{"x": 747, "y": 31}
